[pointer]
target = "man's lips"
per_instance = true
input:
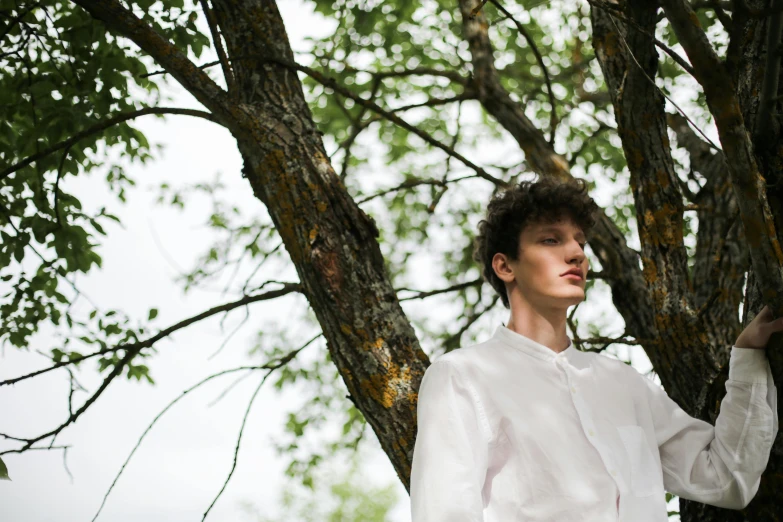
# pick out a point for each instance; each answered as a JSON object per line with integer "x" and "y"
{"x": 573, "y": 273}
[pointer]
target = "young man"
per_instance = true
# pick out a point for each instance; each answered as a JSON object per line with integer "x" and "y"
{"x": 525, "y": 428}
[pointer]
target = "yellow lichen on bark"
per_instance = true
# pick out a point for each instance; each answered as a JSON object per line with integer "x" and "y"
{"x": 383, "y": 388}
{"x": 413, "y": 399}
{"x": 773, "y": 238}
{"x": 662, "y": 218}
{"x": 377, "y": 344}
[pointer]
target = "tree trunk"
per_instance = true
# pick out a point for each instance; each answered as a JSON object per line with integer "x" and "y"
{"x": 331, "y": 241}
{"x": 692, "y": 367}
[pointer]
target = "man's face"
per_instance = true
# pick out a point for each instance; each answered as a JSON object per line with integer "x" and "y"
{"x": 547, "y": 252}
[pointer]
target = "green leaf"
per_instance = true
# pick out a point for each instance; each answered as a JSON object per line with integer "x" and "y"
{"x": 3, "y": 471}
{"x": 153, "y": 313}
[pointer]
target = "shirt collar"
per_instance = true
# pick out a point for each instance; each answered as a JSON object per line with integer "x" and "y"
{"x": 531, "y": 347}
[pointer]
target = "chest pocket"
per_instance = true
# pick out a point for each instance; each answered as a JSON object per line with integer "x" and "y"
{"x": 644, "y": 470}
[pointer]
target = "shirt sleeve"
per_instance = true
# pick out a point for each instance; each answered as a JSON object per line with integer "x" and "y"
{"x": 720, "y": 465}
{"x": 450, "y": 454}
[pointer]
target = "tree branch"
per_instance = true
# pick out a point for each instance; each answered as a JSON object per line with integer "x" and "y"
{"x": 453, "y": 341}
{"x": 137, "y": 347}
{"x": 454, "y": 288}
{"x": 415, "y": 71}
{"x": 202, "y": 67}
{"x": 629, "y": 62}
{"x": 540, "y": 60}
{"x": 173, "y": 60}
{"x": 333, "y": 84}
{"x": 496, "y": 100}
{"x": 101, "y": 126}
{"x": 747, "y": 180}
{"x": 221, "y": 52}
{"x": 632, "y": 23}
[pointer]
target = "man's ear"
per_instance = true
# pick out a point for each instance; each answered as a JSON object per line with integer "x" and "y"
{"x": 502, "y": 268}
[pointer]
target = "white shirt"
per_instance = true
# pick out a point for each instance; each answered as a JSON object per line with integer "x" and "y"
{"x": 510, "y": 431}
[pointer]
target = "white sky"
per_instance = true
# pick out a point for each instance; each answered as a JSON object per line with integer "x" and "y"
{"x": 184, "y": 460}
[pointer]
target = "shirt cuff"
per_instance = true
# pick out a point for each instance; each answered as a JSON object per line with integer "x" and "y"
{"x": 748, "y": 365}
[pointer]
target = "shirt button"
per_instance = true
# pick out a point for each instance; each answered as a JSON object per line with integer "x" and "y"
{"x": 573, "y": 390}
{"x": 591, "y": 433}
{"x": 613, "y": 473}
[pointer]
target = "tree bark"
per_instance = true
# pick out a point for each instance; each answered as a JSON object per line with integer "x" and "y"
{"x": 629, "y": 61}
{"x": 721, "y": 257}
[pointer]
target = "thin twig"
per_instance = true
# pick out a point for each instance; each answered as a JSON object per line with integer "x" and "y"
{"x": 612, "y": 11}
{"x": 454, "y": 288}
{"x": 471, "y": 319}
{"x": 155, "y": 420}
{"x": 218, "y": 43}
{"x": 17, "y": 19}
{"x": 57, "y": 187}
{"x": 540, "y": 60}
{"x": 202, "y": 67}
{"x": 633, "y": 57}
{"x": 65, "y": 464}
{"x": 234, "y": 331}
{"x": 601, "y": 128}
{"x": 478, "y": 8}
{"x": 333, "y": 84}
{"x": 229, "y": 388}
{"x": 72, "y": 418}
{"x": 236, "y": 449}
{"x": 272, "y": 294}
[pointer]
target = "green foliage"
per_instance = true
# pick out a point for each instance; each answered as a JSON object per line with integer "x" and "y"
{"x": 674, "y": 514}
{"x": 62, "y": 73}
{"x": 3, "y": 471}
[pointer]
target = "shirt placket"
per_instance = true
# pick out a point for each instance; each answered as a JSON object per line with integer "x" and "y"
{"x": 588, "y": 426}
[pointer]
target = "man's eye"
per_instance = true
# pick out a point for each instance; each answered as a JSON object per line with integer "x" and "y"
{"x": 550, "y": 239}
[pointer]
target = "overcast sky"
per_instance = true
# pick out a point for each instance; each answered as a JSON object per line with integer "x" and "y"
{"x": 184, "y": 460}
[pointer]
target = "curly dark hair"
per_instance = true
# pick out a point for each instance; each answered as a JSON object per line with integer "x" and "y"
{"x": 544, "y": 201}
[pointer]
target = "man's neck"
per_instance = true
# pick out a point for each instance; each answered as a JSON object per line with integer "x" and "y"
{"x": 544, "y": 326}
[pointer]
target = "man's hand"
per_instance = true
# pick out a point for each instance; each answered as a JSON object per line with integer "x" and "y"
{"x": 756, "y": 334}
